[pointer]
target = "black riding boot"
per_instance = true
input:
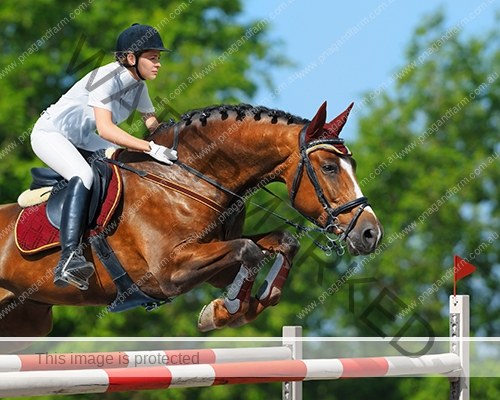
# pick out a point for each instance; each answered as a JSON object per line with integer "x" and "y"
{"x": 73, "y": 268}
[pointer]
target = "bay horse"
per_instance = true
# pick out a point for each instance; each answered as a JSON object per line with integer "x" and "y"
{"x": 225, "y": 154}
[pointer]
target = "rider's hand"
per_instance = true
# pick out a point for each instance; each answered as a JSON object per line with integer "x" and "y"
{"x": 162, "y": 153}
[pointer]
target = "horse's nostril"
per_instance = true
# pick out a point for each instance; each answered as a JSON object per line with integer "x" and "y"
{"x": 369, "y": 238}
{"x": 368, "y": 234}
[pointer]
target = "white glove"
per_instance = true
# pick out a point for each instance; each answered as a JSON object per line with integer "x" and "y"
{"x": 162, "y": 153}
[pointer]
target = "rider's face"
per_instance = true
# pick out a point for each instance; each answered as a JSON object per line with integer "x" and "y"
{"x": 149, "y": 64}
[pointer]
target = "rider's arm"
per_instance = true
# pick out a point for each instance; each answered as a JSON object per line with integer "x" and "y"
{"x": 151, "y": 121}
{"x": 112, "y": 133}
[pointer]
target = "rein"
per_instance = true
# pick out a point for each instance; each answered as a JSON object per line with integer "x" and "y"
{"x": 333, "y": 243}
{"x": 326, "y": 248}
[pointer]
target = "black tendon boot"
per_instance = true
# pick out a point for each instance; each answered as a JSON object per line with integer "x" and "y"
{"x": 73, "y": 268}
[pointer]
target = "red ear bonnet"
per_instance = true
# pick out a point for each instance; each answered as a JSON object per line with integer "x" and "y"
{"x": 318, "y": 130}
{"x": 315, "y": 128}
{"x": 334, "y": 127}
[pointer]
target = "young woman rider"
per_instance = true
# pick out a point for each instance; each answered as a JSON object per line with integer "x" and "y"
{"x": 100, "y": 101}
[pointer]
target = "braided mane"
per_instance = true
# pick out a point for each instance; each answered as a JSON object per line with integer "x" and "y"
{"x": 242, "y": 111}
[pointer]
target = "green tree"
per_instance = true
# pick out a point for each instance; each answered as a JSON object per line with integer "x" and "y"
{"x": 49, "y": 45}
{"x": 428, "y": 160}
{"x": 429, "y": 152}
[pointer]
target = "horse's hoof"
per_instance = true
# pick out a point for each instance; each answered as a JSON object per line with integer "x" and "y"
{"x": 206, "y": 319}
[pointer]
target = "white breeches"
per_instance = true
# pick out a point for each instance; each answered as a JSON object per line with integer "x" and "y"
{"x": 61, "y": 155}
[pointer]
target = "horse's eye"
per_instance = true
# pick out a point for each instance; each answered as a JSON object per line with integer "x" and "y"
{"x": 329, "y": 168}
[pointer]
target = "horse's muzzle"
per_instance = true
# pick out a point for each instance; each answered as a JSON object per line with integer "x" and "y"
{"x": 365, "y": 237}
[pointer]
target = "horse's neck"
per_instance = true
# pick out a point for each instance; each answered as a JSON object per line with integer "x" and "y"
{"x": 237, "y": 154}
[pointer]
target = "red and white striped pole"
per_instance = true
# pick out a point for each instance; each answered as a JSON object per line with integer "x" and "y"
{"x": 38, "y": 383}
{"x": 138, "y": 359}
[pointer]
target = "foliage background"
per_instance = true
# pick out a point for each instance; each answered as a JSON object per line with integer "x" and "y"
{"x": 400, "y": 192}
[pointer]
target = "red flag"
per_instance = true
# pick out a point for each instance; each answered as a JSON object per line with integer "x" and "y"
{"x": 461, "y": 268}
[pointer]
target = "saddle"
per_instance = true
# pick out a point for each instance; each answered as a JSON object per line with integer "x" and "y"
{"x": 37, "y": 227}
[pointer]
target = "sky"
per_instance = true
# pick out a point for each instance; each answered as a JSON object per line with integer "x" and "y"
{"x": 345, "y": 50}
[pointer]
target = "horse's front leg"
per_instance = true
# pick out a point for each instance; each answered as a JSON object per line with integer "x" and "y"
{"x": 284, "y": 246}
{"x": 281, "y": 244}
{"x": 200, "y": 262}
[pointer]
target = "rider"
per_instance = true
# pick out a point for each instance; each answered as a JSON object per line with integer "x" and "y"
{"x": 102, "y": 99}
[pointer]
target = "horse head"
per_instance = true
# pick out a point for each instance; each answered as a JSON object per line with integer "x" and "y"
{"x": 330, "y": 195}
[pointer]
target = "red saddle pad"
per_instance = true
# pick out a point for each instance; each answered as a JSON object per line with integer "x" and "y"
{"x": 34, "y": 232}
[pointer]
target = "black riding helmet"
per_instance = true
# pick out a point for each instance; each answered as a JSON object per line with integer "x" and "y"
{"x": 137, "y": 39}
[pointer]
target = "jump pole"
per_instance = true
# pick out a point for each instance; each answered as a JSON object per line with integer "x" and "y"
{"x": 138, "y": 359}
{"x": 38, "y": 383}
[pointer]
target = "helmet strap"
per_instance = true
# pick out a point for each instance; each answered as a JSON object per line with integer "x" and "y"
{"x": 136, "y": 66}
{"x": 137, "y": 55}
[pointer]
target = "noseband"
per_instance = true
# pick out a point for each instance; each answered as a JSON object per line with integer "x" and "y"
{"x": 332, "y": 213}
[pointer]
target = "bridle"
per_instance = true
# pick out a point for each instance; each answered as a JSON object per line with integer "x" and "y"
{"x": 331, "y": 224}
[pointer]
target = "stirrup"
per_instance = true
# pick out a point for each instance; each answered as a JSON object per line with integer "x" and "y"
{"x": 74, "y": 275}
{"x": 80, "y": 282}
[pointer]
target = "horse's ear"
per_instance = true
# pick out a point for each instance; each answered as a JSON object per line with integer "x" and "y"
{"x": 315, "y": 128}
{"x": 334, "y": 127}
